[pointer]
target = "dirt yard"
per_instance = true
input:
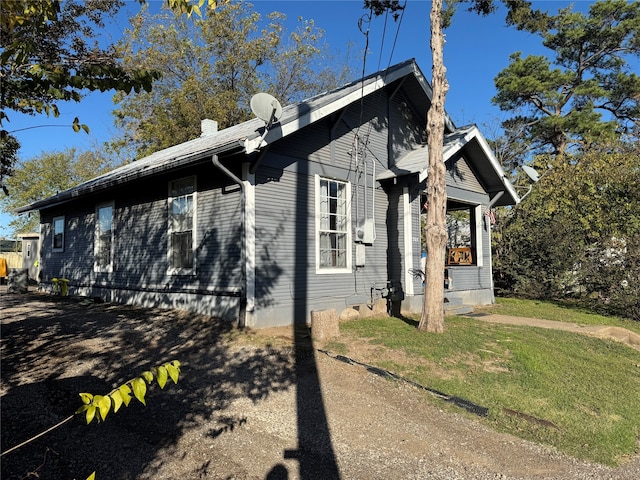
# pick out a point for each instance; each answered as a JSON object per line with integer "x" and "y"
{"x": 247, "y": 406}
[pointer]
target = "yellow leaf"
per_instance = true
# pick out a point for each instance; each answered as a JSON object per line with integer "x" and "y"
{"x": 139, "y": 389}
{"x": 173, "y": 372}
{"x": 162, "y": 376}
{"x": 91, "y": 412}
{"x": 148, "y": 376}
{"x": 82, "y": 408}
{"x": 104, "y": 405}
{"x": 92, "y": 476}
{"x": 116, "y": 397}
{"x": 86, "y": 398}
{"x": 124, "y": 393}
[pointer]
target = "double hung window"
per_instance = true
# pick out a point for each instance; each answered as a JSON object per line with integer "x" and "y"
{"x": 103, "y": 244}
{"x": 58, "y": 234}
{"x": 181, "y": 225}
{"x": 333, "y": 225}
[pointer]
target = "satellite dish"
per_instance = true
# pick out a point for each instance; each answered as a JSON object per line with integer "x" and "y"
{"x": 531, "y": 173}
{"x": 266, "y": 107}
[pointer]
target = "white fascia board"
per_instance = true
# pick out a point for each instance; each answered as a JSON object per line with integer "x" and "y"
{"x": 497, "y": 167}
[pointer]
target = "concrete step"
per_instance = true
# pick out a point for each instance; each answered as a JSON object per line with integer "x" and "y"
{"x": 453, "y": 306}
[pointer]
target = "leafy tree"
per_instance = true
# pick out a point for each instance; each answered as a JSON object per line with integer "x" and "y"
{"x": 9, "y": 147}
{"x": 46, "y": 175}
{"x": 587, "y": 94}
{"x": 211, "y": 69}
{"x": 50, "y": 53}
{"x": 577, "y": 234}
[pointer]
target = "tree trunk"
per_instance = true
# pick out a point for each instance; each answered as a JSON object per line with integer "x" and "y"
{"x": 432, "y": 319}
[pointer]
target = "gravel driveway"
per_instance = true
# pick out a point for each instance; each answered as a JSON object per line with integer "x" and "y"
{"x": 247, "y": 406}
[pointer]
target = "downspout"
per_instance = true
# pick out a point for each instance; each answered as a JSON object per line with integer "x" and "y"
{"x": 495, "y": 199}
{"x": 243, "y": 260}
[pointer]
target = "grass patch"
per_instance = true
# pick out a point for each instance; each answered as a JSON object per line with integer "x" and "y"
{"x": 558, "y": 311}
{"x": 577, "y": 393}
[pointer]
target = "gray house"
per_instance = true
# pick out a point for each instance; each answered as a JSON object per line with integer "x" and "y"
{"x": 263, "y": 225}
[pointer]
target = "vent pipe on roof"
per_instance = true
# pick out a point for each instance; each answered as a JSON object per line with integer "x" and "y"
{"x": 208, "y": 127}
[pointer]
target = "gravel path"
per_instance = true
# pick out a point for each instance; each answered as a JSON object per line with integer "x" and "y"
{"x": 246, "y": 407}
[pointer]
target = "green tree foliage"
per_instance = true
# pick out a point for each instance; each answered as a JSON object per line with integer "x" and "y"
{"x": 50, "y": 52}
{"x": 578, "y": 233}
{"x": 46, "y": 175}
{"x": 9, "y": 147}
{"x": 211, "y": 69}
{"x": 587, "y": 93}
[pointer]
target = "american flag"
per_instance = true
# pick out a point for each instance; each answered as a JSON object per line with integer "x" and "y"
{"x": 491, "y": 216}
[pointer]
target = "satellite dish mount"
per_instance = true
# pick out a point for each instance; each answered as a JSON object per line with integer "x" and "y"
{"x": 268, "y": 109}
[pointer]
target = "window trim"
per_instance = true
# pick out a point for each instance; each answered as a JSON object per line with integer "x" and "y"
{"x": 349, "y": 247}
{"x": 53, "y": 236}
{"x": 183, "y": 271}
{"x": 96, "y": 235}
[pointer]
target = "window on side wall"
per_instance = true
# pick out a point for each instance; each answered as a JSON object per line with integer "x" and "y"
{"x": 333, "y": 226}
{"x": 58, "y": 234}
{"x": 182, "y": 209}
{"x": 103, "y": 242}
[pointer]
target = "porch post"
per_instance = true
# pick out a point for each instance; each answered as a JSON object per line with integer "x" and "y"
{"x": 407, "y": 218}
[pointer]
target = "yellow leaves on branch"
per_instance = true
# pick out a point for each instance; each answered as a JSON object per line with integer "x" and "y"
{"x": 103, "y": 404}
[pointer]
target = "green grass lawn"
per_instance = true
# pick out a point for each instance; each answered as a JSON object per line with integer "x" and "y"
{"x": 577, "y": 393}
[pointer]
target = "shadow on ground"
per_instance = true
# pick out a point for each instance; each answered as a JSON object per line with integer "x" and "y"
{"x": 53, "y": 349}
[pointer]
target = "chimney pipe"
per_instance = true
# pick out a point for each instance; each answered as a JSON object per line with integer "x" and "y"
{"x": 208, "y": 127}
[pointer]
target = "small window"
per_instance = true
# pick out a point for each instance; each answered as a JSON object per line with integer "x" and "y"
{"x": 58, "y": 234}
{"x": 181, "y": 225}
{"x": 333, "y": 213}
{"x": 103, "y": 244}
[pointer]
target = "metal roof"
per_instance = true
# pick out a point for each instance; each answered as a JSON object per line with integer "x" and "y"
{"x": 239, "y": 137}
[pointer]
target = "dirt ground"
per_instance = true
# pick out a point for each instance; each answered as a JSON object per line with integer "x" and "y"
{"x": 252, "y": 405}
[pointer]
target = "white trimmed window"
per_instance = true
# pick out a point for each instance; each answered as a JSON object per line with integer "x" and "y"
{"x": 58, "y": 234}
{"x": 333, "y": 221}
{"x": 182, "y": 207}
{"x": 103, "y": 243}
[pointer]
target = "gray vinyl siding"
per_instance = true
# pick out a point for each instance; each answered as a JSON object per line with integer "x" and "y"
{"x": 287, "y": 282}
{"x": 286, "y": 250}
{"x": 395, "y": 235}
{"x": 140, "y": 262}
{"x": 460, "y": 175}
{"x": 407, "y": 129}
{"x": 416, "y": 208}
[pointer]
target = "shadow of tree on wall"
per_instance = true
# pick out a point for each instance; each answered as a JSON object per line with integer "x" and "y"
{"x": 64, "y": 347}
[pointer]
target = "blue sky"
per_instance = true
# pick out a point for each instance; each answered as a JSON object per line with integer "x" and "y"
{"x": 476, "y": 49}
